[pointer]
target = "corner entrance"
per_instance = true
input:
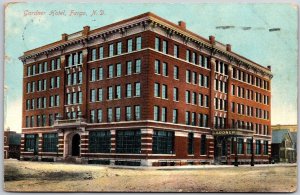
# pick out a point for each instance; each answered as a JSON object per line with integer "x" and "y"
{"x": 76, "y": 145}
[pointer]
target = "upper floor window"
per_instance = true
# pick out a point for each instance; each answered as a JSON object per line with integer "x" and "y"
{"x": 176, "y": 72}
{"x": 164, "y": 91}
{"x": 111, "y": 50}
{"x": 94, "y": 54}
{"x": 128, "y": 113}
{"x": 165, "y": 47}
{"x": 137, "y": 92}
{"x": 156, "y": 113}
{"x": 165, "y": 69}
{"x": 101, "y": 53}
{"x": 138, "y": 43}
{"x": 129, "y": 45}
{"x": 137, "y": 112}
{"x": 137, "y": 66}
{"x": 100, "y": 72}
{"x": 119, "y": 70}
{"x": 110, "y": 93}
{"x": 157, "y": 67}
{"x": 157, "y": 44}
{"x": 156, "y": 90}
{"x": 129, "y": 68}
{"x": 118, "y": 91}
{"x": 188, "y": 55}
{"x": 93, "y": 74}
{"x": 119, "y": 48}
{"x": 110, "y": 71}
{"x": 128, "y": 90}
{"x": 176, "y": 51}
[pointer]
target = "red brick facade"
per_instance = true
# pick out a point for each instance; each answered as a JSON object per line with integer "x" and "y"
{"x": 70, "y": 98}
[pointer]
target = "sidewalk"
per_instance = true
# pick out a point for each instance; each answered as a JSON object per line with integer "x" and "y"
{"x": 193, "y": 167}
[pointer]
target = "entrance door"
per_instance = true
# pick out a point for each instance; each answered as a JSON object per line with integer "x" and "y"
{"x": 75, "y": 145}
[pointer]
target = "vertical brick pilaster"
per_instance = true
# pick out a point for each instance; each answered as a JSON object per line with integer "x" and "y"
{"x": 40, "y": 146}
{"x": 210, "y": 146}
{"x": 22, "y": 147}
{"x": 229, "y": 81}
{"x": 113, "y": 141}
{"x": 181, "y": 146}
{"x": 146, "y": 141}
{"x": 197, "y": 138}
{"x": 84, "y": 139}
{"x": 85, "y": 81}
{"x": 62, "y": 85}
{"x": 212, "y": 91}
{"x": 60, "y": 144}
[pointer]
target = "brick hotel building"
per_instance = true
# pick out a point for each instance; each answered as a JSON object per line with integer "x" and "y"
{"x": 144, "y": 91}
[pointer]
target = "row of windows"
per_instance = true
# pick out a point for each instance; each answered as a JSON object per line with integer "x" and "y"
{"x": 43, "y": 67}
{"x": 221, "y": 67}
{"x": 41, "y": 102}
{"x": 257, "y": 149}
{"x": 258, "y": 128}
{"x": 74, "y": 98}
{"x": 40, "y": 120}
{"x": 130, "y": 113}
{"x": 74, "y": 59}
{"x": 116, "y": 70}
{"x": 191, "y": 77}
{"x": 193, "y": 57}
{"x": 74, "y": 78}
{"x": 98, "y": 53}
{"x": 41, "y": 86}
{"x": 221, "y": 86}
{"x": 219, "y": 122}
{"x": 73, "y": 114}
{"x": 220, "y": 104}
{"x": 191, "y": 119}
{"x": 250, "y": 95}
{"x": 115, "y": 92}
{"x": 248, "y": 111}
{"x": 250, "y": 79}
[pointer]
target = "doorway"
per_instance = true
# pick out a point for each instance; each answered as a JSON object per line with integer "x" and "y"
{"x": 76, "y": 145}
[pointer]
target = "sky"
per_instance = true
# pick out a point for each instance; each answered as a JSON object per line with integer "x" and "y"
{"x": 276, "y": 48}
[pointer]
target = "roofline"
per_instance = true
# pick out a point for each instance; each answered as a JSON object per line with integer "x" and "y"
{"x": 151, "y": 16}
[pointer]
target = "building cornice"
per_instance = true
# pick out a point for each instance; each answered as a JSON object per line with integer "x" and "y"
{"x": 148, "y": 21}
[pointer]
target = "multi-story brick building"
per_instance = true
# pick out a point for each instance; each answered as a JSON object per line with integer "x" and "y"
{"x": 144, "y": 91}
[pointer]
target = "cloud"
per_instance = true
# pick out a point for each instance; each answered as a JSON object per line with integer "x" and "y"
{"x": 14, "y": 115}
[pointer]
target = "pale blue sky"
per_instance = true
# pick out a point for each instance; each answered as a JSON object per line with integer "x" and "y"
{"x": 277, "y": 48}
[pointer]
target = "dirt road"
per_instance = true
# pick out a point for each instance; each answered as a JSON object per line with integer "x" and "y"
{"x": 23, "y": 176}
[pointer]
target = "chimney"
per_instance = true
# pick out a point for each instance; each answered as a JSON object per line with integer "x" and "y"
{"x": 64, "y": 37}
{"x": 228, "y": 47}
{"x": 269, "y": 67}
{"x": 86, "y": 30}
{"x": 212, "y": 39}
{"x": 182, "y": 24}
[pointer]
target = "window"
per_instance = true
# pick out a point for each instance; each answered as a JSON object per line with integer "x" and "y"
{"x": 157, "y": 67}
{"x": 157, "y": 44}
{"x": 187, "y": 118}
{"x": 118, "y": 91}
{"x": 99, "y": 141}
{"x": 194, "y": 58}
{"x": 99, "y": 115}
{"x": 80, "y": 77}
{"x": 249, "y": 146}
{"x": 240, "y": 146}
{"x": 165, "y": 47}
{"x": 129, "y": 45}
{"x": 137, "y": 112}
{"x": 128, "y": 113}
{"x": 128, "y": 141}
{"x": 175, "y": 94}
{"x": 51, "y": 119}
{"x": 193, "y": 122}
{"x": 163, "y": 142}
{"x": 187, "y": 97}
{"x": 129, "y": 68}
{"x": 137, "y": 66}
{"x": 137, "y": 92}
{"x": 156, "y": 90}
{"x": 187, "y": 56}
{"x": 118, "y": 114}
{"x": 194, "y": 78}
{"x": 92, "y": 116}
{"x": 164, "y": 91}
{"x": 258, "y": 147}
{"x": 175, "y": 116}
{"x": 110, "y": 93}
{"x": 176, "y": 51}
{"x": 93, "y": 74}
{"x": 190, "y": 143}
{"x": 265, "y": 147}
{"x": 111, "y": 50}
{"x": 128, "y": 90}
{"x": 100, "y": 94}
{"x": 156, "y": 113}
{"x": 194, "y": 98}
{"x": 80, "y": 97}
{"x": 165, "y": 69}
{"x": 93, "y": 95}
{"x": 188, "y": 76}
{"x": 94, "y": 57}
{"x": 100, "y": 71}
{"x": 101, "y": 53}
{"x": 110, "y": 71}
{"x": 164, "y": 114}
{"x": 109, "y": 115}
{"x": 138, "y": 43}
{"x": 119, "y": 48}
{"x": 30, "y": 143}
{"x": 203, "y": 145}
{"x": 50, "y": 142}
{"x": 176, "y": 72}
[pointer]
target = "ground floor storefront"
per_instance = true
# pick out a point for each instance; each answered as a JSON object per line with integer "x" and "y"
{"x": 142, "y": 147}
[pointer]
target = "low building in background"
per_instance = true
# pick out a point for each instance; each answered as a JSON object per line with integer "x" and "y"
{"x": 12, "y": 143}
{"x": 284, "y": 143}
